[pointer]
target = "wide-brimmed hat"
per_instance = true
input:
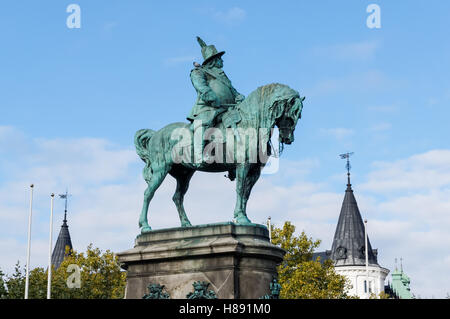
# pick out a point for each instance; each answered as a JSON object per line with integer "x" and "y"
{"x": 209, "y": 52}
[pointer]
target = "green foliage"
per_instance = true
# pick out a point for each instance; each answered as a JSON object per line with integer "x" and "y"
{"x": 301, "y": 277}
{"x": 15, "y": 284}
{"x": 3, "y": 291}
{"x": 381, "y": 295}
{"x": 100, "y": 278}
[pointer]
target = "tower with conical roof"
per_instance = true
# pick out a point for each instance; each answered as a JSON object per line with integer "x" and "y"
{"x": 349, "y": 238}
{"x": 63, "y": 241}
{"x": 348, "y": 250}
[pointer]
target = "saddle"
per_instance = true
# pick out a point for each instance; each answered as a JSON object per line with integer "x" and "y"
{"x": 226, "y": 118}
{"x": 229, "y": 119}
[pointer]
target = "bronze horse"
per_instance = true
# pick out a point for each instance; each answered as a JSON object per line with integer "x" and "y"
{"x": 266, "y": 107}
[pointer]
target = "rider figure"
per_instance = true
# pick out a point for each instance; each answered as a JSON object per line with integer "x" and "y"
{"x": 214, "y": 89}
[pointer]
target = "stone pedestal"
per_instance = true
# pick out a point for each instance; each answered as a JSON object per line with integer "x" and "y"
{"x": 238, "y": 261}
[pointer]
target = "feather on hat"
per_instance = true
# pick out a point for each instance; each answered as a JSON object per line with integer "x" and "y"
{"x": 209, "y": 52}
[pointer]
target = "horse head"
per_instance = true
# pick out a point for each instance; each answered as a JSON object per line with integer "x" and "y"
{"x": 287, "y": 122}
{"x": 285, "y": 107}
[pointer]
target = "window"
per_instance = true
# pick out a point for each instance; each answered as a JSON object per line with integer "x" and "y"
{"x": 365, "y": 286}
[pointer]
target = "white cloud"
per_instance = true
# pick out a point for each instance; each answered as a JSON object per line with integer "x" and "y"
{"x": 338, "y": 133}
{"x": 425, "y": 171}
{"x": 86, "y": 166}
{"x": 5, "y": 131}
{"x": 232, "y": 16}
{"x": 358, "y": 50}
{"x": 413, "y": 221}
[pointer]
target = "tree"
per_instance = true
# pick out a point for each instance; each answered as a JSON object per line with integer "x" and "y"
{"x": 99, "y": 273}
{"x": 3, "y": 291}
{"x": 381, "y": 295}
{"x": 299, "y": 275}
{"x": 15, "y": 284}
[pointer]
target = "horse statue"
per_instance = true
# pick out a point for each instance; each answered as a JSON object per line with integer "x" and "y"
{"x": 266, "y": 107}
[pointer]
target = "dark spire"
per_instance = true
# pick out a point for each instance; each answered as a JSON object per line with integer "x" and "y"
{"x": 348, "y": 167}
{"x": 59, "y": 252}
{"x": 65, "y": 197}
{"x": 349, "y": 243}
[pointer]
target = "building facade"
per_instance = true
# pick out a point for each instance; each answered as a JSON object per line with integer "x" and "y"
{"x": 348, "y": 251}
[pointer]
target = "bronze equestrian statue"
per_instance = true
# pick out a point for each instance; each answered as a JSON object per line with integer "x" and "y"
{"x": 240, "y": 126}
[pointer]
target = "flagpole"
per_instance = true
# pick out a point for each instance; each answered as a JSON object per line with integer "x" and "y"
{"x": 49, "y": 279}
{"x": 367, "y": 257}
{"x": 27, "y": 279}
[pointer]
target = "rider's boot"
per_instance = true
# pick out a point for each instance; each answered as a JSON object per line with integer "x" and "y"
{"x": 198, "y": 145}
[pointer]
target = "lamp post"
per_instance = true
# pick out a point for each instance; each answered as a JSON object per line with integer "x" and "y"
{"x": 27, "y": 278}
{"x": 367, "y": 258}
{"x": 49, "y": 279}
{"x": 270, "y": 229}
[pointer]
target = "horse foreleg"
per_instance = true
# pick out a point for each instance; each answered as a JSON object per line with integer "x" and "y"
{"x": 246, "y": 176}
{"x": 153, "y": 184}
{"x": 183, "y": 179}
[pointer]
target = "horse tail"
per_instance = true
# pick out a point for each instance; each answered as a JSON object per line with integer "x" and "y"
{"x": 141, "y": 140}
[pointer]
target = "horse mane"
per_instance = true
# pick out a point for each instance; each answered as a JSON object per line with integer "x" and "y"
{"x": 264, "y": 92}
{"x": 261, "y": 100}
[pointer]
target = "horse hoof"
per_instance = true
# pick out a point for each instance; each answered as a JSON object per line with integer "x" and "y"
{"x": 243, "y": 220}
{"x": 186, "y": 224}
{"x": 146, "y": 229}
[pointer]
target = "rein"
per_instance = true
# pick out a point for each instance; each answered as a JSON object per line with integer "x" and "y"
{"x": 280, "y": 148}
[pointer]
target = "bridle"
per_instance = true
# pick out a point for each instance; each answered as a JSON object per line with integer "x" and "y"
{"x": 280, "y": 149}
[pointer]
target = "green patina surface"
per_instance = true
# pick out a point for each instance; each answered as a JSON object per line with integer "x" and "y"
{"x": 275, "y": 289}
{"x": 155, "y": 291}
{"x": 201, "y": 291}
{"x": 269, "y": 106}
{"x": 400, "y": 285}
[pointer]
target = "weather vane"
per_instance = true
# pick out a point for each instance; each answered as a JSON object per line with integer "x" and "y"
{"x": 348, "y": 166}
{"x": 65, "y": 196}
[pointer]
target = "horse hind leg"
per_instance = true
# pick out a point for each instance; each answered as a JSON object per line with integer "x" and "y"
{"x": 157, "y": 177}
{"x": 183, "y": 179}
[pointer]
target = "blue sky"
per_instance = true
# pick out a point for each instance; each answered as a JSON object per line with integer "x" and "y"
{"x": 72, "y": 99}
